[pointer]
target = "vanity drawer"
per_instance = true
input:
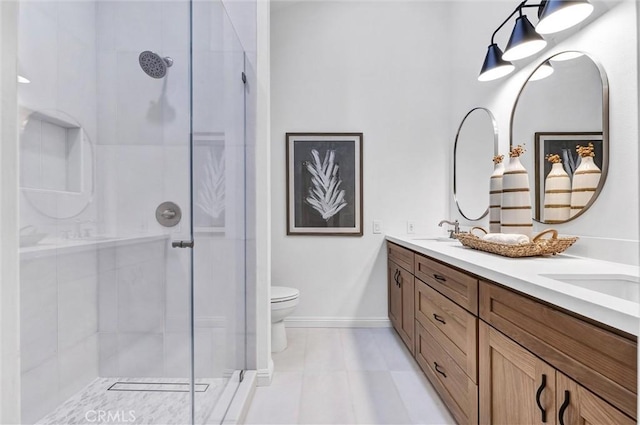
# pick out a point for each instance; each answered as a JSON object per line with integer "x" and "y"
{"x": 457, "y": 390}
{"x": 597, "y": 358}
{"x": 401, "y": 256}
{"x": 457, "y": 286}
{"x": 456, "y": 327}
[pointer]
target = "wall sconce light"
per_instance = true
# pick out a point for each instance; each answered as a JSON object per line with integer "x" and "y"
{"x": 558, "y": 15}
{"x": 525, "y": 40}
{"x": 543, "y": 71}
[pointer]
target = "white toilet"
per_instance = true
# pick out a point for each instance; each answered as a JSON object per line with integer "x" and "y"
{"x": 283, "y": 301}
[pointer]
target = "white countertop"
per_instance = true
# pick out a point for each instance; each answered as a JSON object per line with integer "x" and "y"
{"x": 524, "y": 275}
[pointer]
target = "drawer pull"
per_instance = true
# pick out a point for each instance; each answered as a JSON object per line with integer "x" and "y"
{"x": 437, "y": 366}
{"x": 395, "y": 276}
{"x": 538, "y": 394}
{"x": 440, "y": 277}
{"x": 563, "y": 407}
{"x": 439, "y": 319}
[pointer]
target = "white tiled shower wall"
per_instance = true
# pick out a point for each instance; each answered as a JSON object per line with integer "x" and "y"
{"x": 124, "y": 310}
{"x": 108, "y": 311}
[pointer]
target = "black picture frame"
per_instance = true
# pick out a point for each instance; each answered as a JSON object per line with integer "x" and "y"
{"x": 324, "y": 184}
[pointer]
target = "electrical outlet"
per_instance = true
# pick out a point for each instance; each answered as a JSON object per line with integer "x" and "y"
{"x": 377, "y": 226}
{"x": 411, "y": 227}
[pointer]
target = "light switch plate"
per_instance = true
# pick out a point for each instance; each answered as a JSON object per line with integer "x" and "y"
{"x": 377, "y": 226}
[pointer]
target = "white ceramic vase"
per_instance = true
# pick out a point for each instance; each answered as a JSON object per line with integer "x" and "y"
{"x": 557, "y": 195}
{"x": 515, "y": 206}
{"x": 585, "y": 182}
{"x": 495, "y": 198}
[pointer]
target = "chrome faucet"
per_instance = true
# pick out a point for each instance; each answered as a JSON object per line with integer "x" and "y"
{"x": 452, "y": 232}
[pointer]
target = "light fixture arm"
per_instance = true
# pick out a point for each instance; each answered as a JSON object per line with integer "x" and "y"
{"x": 518, "y": 10}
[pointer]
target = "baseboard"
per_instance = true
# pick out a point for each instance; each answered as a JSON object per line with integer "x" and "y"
{"x": 337, "y": 322}
{"x": 265, "y": 375}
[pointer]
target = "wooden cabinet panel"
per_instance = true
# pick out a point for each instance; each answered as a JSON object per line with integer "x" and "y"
{"x": 459, "y": 287}
{"x": 458, "y": 391}
{"x": 457, "y": 327}
{"x": 401, "y": 304}
{"x": 510, "y": 384}
{"x": 602, "y": 361}
{"x": 394, "y": 298}
{"x": 583, "y": 407}
{"x": 407, "y": 326}
{"x": 401, "y": 256}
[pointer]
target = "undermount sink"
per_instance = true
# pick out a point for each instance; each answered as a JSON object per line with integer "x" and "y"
{"x": 617, "y": 285}
{"x": 437, "y": 239}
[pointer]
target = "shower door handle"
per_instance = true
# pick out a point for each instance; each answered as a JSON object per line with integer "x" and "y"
{"x": 182, "y": 244}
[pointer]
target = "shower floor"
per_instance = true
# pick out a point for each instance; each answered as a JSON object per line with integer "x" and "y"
{"x": 137, "y": 401}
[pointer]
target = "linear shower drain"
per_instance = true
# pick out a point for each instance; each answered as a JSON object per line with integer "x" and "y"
{"x": 177, "y": 387}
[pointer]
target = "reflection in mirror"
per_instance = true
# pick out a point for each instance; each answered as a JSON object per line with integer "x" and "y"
{"x": 56, "y": 164}
{"x": 476, "y": 144}
{"x": 562, "y": 119}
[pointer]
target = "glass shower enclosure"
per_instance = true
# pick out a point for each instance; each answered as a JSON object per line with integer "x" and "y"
{"x": 132, "y": 211}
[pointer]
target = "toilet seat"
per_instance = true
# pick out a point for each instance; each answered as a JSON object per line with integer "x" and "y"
{"x": 281, "y": 294}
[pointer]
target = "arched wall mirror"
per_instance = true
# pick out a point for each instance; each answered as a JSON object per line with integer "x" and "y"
{"x": 56, "y": 163}
{"x": 561, "y": 115}
{"x": 475, "y": 145}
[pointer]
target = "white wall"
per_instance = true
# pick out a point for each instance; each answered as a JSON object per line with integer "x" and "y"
{"x": 609, "y": 230}
{"x": 333, "y": 70}
{"x": 359, "y": 67}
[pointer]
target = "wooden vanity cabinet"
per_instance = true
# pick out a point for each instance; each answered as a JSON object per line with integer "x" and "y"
{"x": 400, "y": 283}
{"x": 583, "y": 407}
{"x": 446, "y": 335}
{"x": 599, "y": 361}
{"x": 454, "y": 284}
{"x": 516, "y": 387}
{"x": 496, "y": 356}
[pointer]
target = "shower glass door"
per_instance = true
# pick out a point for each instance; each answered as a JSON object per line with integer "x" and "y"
{"x": 125, "y": 106}
{"x": 218, "y": 141}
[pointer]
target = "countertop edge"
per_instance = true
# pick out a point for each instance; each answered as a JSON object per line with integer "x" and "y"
{"x": 617, "y": 313}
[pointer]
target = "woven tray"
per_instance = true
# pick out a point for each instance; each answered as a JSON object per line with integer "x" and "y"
{"x": 537, "y": 246}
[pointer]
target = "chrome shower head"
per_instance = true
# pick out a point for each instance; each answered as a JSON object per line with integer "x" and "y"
{"x": 153, "y": 64}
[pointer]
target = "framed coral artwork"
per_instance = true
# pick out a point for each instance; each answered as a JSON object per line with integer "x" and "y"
{"x": 324, "y": 184}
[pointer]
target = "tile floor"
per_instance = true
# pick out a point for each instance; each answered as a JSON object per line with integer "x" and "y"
{"x": 96, "y": 404}
{"x": 346, "y": 376}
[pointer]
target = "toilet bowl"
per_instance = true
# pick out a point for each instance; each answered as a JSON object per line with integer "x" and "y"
{"x": 283, "y": 301}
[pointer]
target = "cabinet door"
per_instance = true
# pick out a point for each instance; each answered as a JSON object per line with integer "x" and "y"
{"x": 515, "y": 386}
{"x": 407, "y": 325}
{"x": 579, "y": 406}
{"x": 395, "y": 295}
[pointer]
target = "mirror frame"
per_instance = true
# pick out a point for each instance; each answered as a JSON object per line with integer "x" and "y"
{"x": 605, "y": 126}
{"x": 455, "y": 165}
